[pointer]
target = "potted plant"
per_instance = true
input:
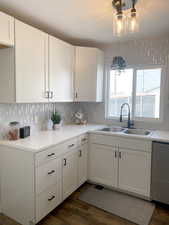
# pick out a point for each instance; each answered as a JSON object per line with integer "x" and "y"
{"x": 56, "y": 119}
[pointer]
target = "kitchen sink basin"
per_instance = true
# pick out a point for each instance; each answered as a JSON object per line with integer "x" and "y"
{"x": 133, "y": 131}
{"x": 113, "y": 129}
{"x": 137, "y": 132}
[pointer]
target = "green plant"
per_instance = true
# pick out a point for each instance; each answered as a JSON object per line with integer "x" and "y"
{"x": 56, "y": 118}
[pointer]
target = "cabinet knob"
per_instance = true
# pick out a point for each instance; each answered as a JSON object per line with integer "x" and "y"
{"x": 50, "y": 199}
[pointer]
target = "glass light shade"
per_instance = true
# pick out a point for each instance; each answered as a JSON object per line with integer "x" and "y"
{"x": 132, "y": 23}
{"x": 119, "y": 25}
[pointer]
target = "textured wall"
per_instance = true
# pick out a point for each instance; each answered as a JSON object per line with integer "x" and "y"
{"x": 34, "y": 114}
{"x": 137, "y": 52}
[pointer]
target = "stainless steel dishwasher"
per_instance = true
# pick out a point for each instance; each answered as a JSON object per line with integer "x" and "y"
{"x": 160, "y": 172}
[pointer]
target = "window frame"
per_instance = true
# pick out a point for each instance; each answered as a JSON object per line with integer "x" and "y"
{"x": 135, "y": 68}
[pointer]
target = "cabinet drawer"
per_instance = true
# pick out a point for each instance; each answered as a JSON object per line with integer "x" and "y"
{"x": 104, "y": 139}
{"x": 48, "y": 200}
{"x": 52, "y": 153}
{"x": 47, "y": 175}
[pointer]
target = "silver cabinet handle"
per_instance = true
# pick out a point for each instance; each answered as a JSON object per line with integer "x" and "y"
{"x": 52, "y": 154}
{"x": 80, "y": 153}
{"x": 51, "y": 94}
{"x": 65, "y": 162}
{"x": 70, "y": 146}
{"x": 84, "y": 139}
{"x": 120, "y": 155}
{"x": 115, "y": 154}
{"x": 46, "y": 94}
{"x": 50, "y": 172}
{"x": 50, "y": 199}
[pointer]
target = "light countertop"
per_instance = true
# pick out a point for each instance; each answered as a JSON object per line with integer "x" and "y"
{"x": 46, "y": 139}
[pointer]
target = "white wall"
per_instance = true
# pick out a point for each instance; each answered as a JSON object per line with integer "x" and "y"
{"x": 138, "y": 52}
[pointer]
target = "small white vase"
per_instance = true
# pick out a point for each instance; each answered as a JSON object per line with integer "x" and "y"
{"x": 57, "y": 126}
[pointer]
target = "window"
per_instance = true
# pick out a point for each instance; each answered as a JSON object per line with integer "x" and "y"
{"x": 140, "y": 88}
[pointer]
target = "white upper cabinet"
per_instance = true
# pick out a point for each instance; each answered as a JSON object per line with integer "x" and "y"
{"x": 89, "y": 75}
{"x": 42, "y": 68}
{"x": 6, "y": 30}
{"x": 31, "y": 55}
{"x": 61, "y": 70}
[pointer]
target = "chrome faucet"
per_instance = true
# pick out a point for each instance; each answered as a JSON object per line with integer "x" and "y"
{"x": 129, "y": 122}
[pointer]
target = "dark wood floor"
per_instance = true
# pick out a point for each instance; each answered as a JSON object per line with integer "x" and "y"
{"x": 75, "y": 212}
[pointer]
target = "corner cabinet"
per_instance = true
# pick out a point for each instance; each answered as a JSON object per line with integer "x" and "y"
{"x": 6, "y": 30}
{"x": 89, "y": 68}
{"x": 61, "y": 70}
{"x": 41, "y": 179}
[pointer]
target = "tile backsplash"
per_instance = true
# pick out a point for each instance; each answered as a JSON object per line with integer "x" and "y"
{"x": 34, "y": 115}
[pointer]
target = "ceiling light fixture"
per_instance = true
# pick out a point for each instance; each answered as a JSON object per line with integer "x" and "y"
{"x": 123, "y": 23}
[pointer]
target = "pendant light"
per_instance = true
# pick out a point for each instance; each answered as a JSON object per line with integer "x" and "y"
{"x": 118, "y": 20}
{"x": 124, "y": 22}
{"x": 118, "y": 64}
{"x": 133, "y": 24}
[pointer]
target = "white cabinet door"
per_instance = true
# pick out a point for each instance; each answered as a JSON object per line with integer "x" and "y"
{"x": 6, "y": 29}
{"x": 82, "y": 164}
{"x": 88, "y": 74}
{"x": 103, "y": 165}
{"x": 31, "y": 63}
{"x": 135, "y": 171}
{"x": 61, "y": 69}
{"x": 70, "y": 176}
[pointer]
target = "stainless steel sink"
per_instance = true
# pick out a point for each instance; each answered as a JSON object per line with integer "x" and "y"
{"x": 113, "y": 129}
{"x": 133, "y": 131}
{"x": 137, "y": 132}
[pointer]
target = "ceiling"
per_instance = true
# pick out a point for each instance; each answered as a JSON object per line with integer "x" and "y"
{"x": 87, "y": 21}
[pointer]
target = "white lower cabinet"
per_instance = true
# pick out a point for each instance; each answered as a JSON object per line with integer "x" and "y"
{"x": 74, "y": 169}
{"x": 135, "y": 171}
{"x": 122, "y": 168}
{"x": 82, "y": 164}
{"x": 103, "y": 164}
{"x": 33, "y": 184}
{"x": 70, "y": 169}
